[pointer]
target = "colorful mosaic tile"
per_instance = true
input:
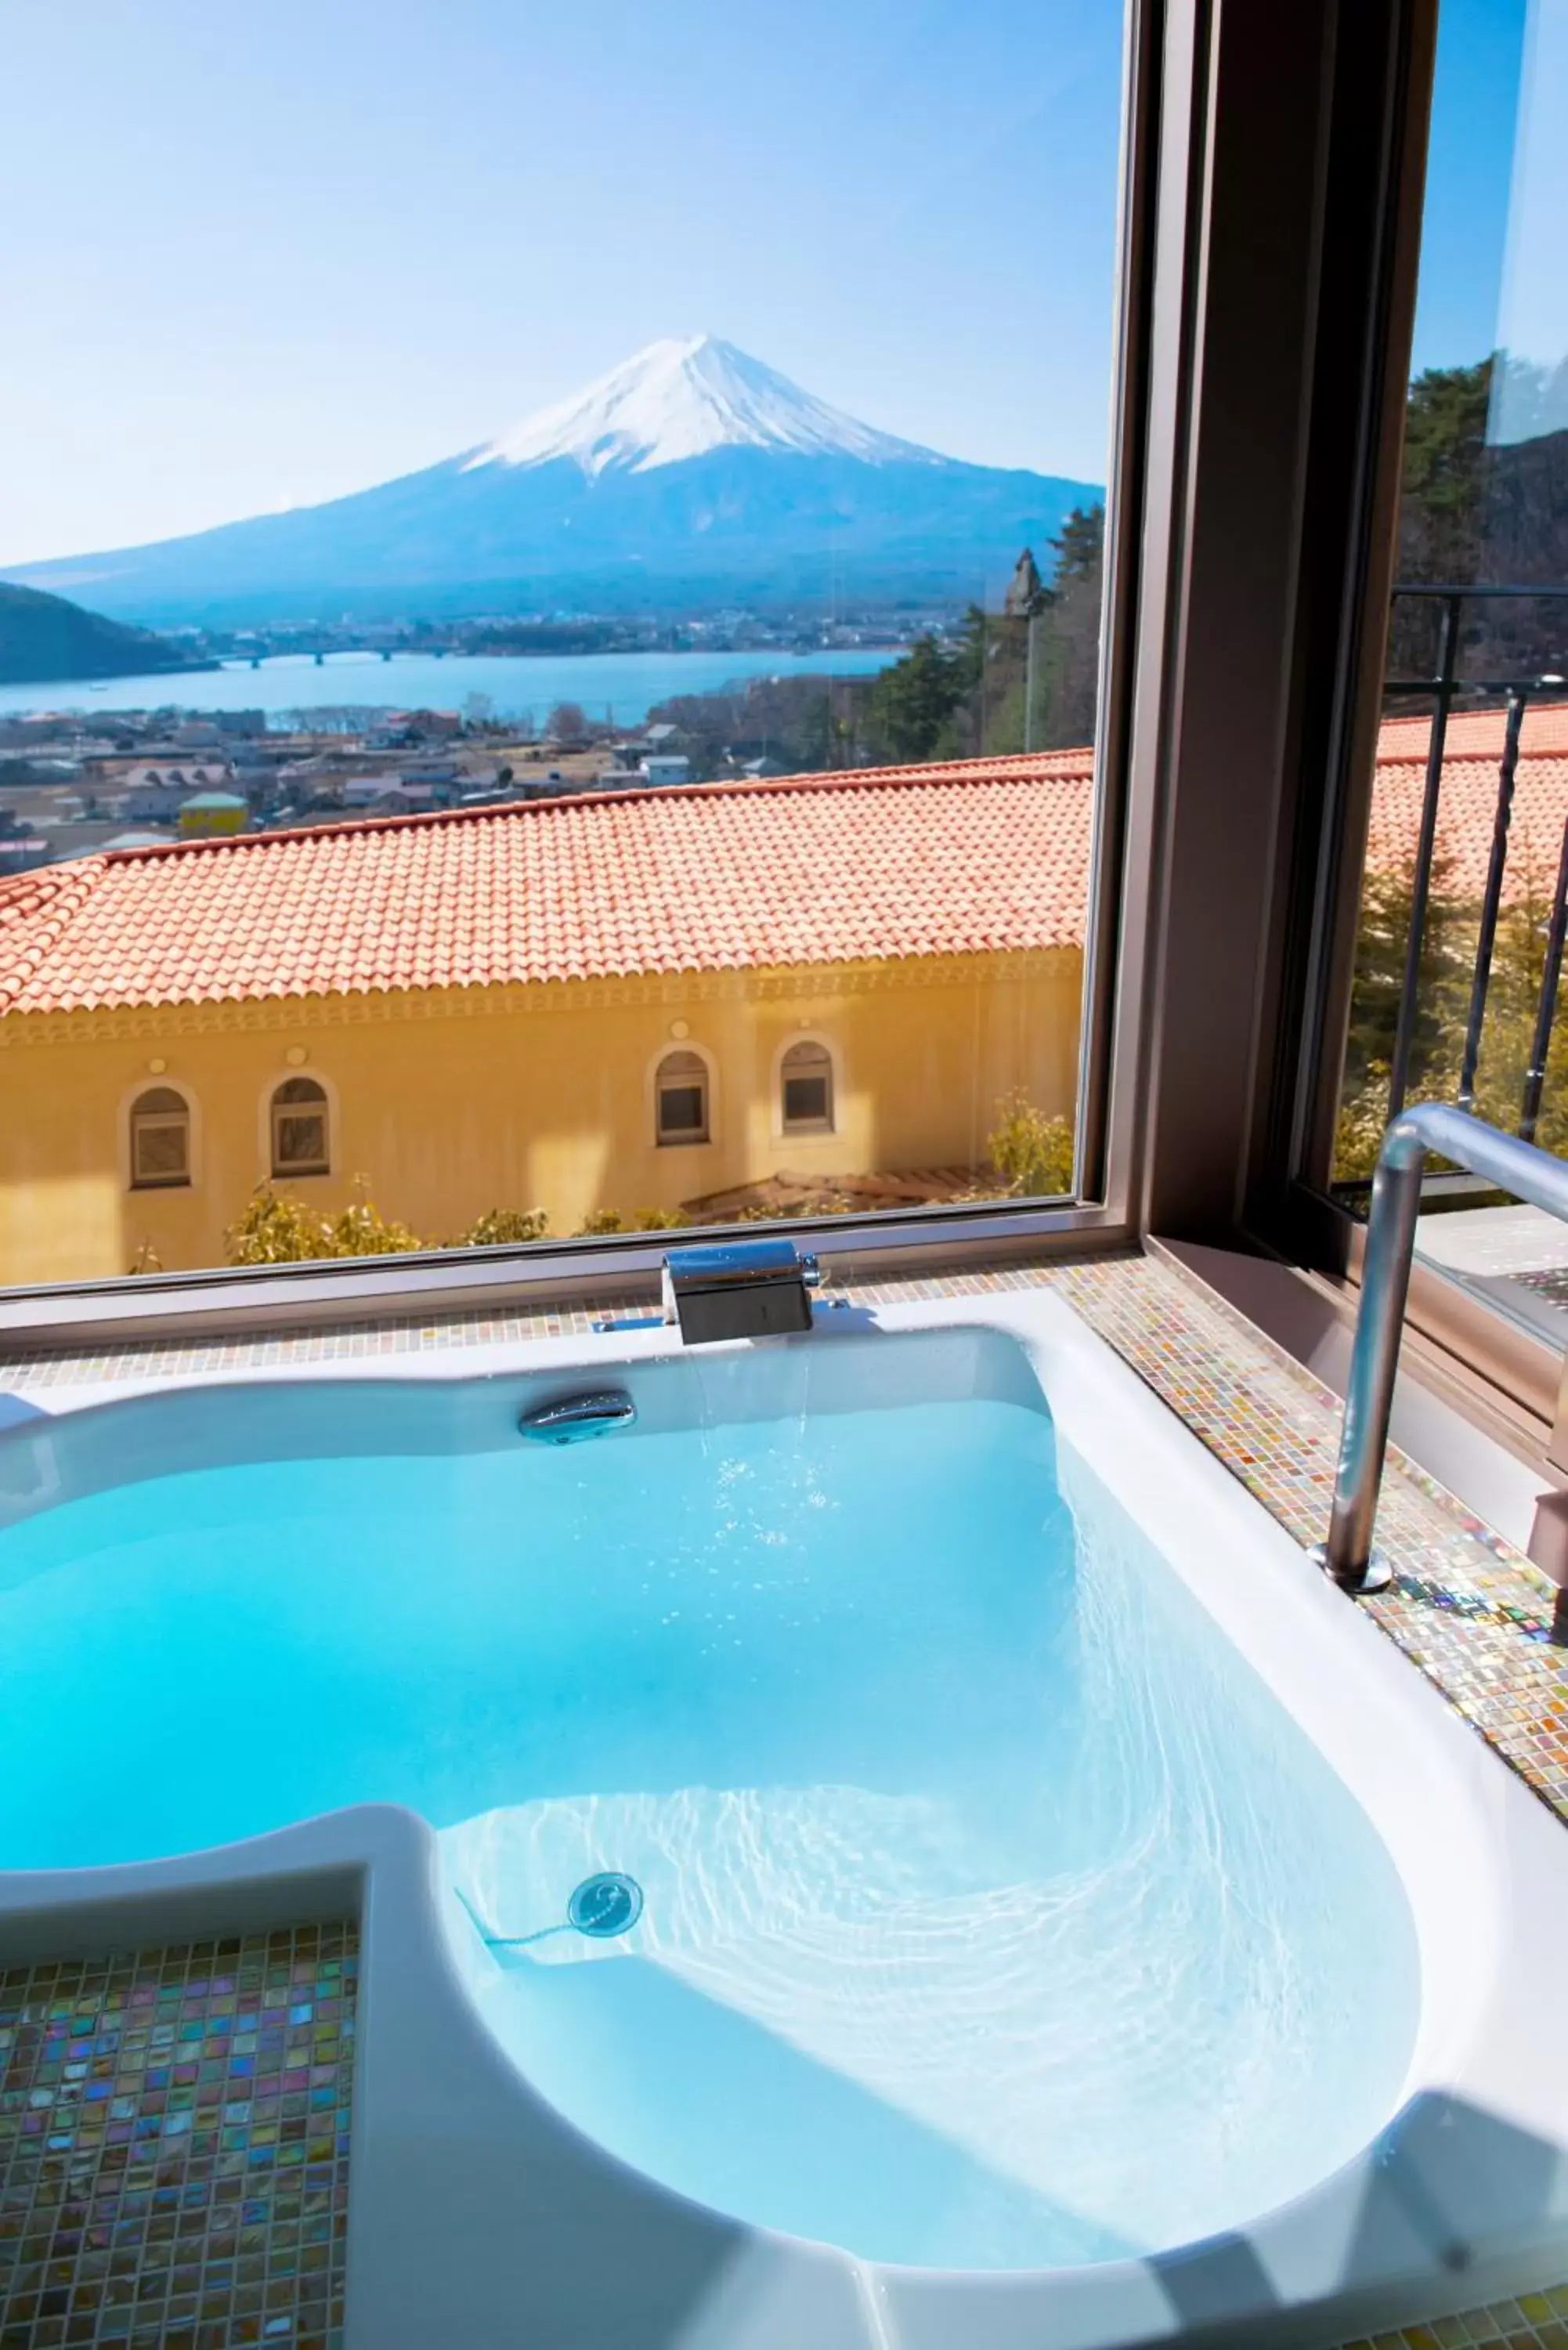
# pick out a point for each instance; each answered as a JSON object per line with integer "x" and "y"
{"x": 174, "y": 2145}
{"x": 1536, "y": 2321}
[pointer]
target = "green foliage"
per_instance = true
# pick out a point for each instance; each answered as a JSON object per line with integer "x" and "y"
{"x": 276, "y": 1228}
{"x": 1443, "y": 1001}
{"x": 1032, "y": 1153}
{"x": 499, "y": 1227}
{"x": 1442, "y": 482}
{"x": 361, "y": 1230}
{"x": 639, "y": 1219}
{"x": 45, "y": 636}
{"x": 912, "y": 707}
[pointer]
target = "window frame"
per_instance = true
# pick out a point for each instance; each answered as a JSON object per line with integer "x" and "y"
{"x": 319, "y": 1101}
{"x": 784, "y": 1128}
{"x": 132, "y": 1117}
{"x": 1198, "y": 83}
{"x": 684, "y": 1048}
{"x": 1292, "y": 1208}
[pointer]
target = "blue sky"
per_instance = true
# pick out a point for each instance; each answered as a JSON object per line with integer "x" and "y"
{"x": 275, "y": 254}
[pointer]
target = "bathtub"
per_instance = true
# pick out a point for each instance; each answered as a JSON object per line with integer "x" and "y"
{"x": 1060, "y": 1917}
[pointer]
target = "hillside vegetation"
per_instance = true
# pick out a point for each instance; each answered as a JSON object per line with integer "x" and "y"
{"x": 44, "y": 638}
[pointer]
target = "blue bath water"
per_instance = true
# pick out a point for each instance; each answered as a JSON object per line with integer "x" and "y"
{"x": 994, "y": 1914}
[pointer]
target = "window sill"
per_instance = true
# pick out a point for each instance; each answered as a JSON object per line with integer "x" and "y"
{"x": 156, "y": 1305}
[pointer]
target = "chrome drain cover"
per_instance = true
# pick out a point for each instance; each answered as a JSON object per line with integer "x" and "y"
{"x": 605, "y": 1905}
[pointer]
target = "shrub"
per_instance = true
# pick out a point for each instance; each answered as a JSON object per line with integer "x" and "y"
{"x": 275, "y": 1229}
{"x": 499, "y": 1227}
{"x": 640, "y": 1220}
{"x": 1031, "y": 1152}
{"x": 361, "y": 1230}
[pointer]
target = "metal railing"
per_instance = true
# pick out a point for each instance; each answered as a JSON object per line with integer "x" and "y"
{"x": 1531, "y": 1175}
{"x": 1444, "y": 687}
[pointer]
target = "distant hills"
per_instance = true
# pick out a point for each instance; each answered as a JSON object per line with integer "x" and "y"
{"x": 43, "y": 639}
{"x": 692, "y": 473}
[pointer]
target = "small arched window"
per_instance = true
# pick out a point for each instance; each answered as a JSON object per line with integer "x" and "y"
{"x": 680, "y": 1097}
{"x": 159, "y": 1139}
{"x": 805, "y": 1089}
{"x": 299, "y": 1138}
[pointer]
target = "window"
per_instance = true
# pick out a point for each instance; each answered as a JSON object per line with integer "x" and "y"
{"x": 805, "y": 1089}
{"x": 1450, "y": 981}
{"x": 159, "y": 1139}
{"x": 715, "y": 689}
{"x": 299, "y": 1144}
{"x": 680, "y": 1091}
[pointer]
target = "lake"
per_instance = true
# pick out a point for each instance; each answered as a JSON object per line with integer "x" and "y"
{"x": 622, "y": 687}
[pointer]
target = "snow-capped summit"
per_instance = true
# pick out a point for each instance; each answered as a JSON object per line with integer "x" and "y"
{"x": 690, "y": 476}
{"x": 678, "y": 399}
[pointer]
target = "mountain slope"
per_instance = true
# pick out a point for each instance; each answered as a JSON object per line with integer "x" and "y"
{"x": 692, "y": 474}
{"x": 43, "y": 639}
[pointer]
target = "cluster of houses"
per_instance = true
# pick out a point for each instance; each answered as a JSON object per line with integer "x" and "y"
{"x": 225, "y": 774}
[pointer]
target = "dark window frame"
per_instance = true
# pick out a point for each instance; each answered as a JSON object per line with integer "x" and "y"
{"x": 814, "y": 1066}
{"x": 681, "y": 1073}
{"x": 151, "y": 1114}
{"x": 1265, "y": 152}
{"x": 298, "y": 1102}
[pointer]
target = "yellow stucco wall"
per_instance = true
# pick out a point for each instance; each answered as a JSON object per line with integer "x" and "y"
{"x": 457, "y": 1100}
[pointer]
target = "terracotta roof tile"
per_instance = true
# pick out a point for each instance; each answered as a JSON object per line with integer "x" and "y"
{"x": 972, "y": 857}
{"x": 975, "y": 857}
{"x": 1466, "y": 800}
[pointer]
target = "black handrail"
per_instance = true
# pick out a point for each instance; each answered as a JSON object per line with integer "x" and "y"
{"x": 1443, "y": 688}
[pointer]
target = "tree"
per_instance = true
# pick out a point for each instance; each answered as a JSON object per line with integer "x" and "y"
{"x": 1067, "y": 647}
{"x": 1442, "y": 998}
{"x": 567, "y": 722}
{"x": 1442, "y": 480}
{"x": 911, "y": 709}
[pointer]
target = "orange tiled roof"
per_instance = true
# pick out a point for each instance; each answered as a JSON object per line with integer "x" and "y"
{"x": 1467, "y": 803}
{"x": 976, "y": 856}
{"x": 972, "y": 857}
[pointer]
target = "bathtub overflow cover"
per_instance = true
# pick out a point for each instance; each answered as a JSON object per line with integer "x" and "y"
{"x": 605, "y": 1905}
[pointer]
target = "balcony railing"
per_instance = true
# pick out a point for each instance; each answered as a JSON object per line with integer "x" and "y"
{"x": 1444, "y": 688}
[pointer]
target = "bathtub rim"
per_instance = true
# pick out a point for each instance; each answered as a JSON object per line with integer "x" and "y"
{"x": 1363, "y": 2249}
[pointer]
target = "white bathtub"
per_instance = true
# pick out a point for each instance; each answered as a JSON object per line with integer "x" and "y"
{"x": 480, "y": 2216}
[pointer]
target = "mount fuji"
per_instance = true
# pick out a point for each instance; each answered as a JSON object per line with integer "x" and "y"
{"x": 692, "y": 473}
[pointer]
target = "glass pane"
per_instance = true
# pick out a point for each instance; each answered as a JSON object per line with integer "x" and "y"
{"x": 1456, "y": 993}
{"x": 302, "y": 1140}
{"x": 160, "y": 1150}
{"x": 805, "y": 1101}
{"x": 682, "y": 1112}
{"x": 666, "y": 619}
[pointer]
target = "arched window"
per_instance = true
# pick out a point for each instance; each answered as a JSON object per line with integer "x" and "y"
{"x": 299, "y": 1141}
{"x": 805, "y": 1089}
{"x": 159, "y": 1139}
{"x": 680, "y": 1097}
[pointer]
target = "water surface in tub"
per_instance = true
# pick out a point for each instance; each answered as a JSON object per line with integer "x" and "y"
{"x": 995, "y": 1913}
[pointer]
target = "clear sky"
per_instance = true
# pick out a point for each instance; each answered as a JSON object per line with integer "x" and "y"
{"x": 261, "y": 256}
{"x": 271, "y": 253}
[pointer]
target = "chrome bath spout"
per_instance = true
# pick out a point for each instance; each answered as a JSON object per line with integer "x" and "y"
{"x": 568, "y": 1420}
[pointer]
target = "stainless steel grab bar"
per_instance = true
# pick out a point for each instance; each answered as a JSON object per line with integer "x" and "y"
{"x": 1530, "y": 1175}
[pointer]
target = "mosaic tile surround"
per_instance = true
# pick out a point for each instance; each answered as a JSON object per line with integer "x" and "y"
{"x": 174, "y": 2145}
{"x": 1467, "y": 1608}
